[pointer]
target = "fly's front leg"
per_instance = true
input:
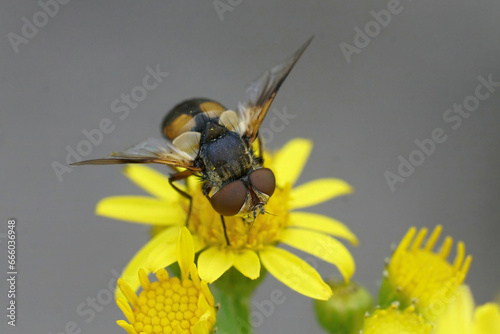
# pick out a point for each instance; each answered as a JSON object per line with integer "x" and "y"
{"x": 224, "y": 228}
{"x": 182, "y": 176}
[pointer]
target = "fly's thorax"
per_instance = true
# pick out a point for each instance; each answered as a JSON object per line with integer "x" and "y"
{"x": 223, "y": 154}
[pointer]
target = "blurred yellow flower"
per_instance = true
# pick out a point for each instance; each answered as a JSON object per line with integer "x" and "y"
{"x": 250, "y": 246}
{"x": 460, "y": 317}
{"x": 169, "y": 305}
{"x": 394, "y": 321}
{"x": 416, "y": 274}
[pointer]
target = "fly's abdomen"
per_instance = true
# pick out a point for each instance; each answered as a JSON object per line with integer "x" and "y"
{"x": 190, "y": 115}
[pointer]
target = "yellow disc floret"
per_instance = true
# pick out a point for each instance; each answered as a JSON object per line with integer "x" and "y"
{"x": 394, "y": 321}
{"x": 170, "y": 305}
{"x": 265, "y": 230}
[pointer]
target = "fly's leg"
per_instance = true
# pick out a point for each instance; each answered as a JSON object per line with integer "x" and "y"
{"x": 181, "y": 176}
{"x": 224, "y": 228}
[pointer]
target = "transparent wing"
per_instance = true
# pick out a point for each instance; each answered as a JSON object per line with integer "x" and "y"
{"x": 260, "y": 93}
{"x": 150, "y": 151}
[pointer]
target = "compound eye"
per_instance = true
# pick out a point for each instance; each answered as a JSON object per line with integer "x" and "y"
{"x": 229, "y": 199}
{"x": 264, "y": 181}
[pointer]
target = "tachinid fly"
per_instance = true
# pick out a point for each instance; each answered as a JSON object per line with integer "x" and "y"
{"x": 207, "y": 140}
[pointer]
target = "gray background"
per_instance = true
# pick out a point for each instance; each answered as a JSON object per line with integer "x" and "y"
{"x": 361, "y": 116}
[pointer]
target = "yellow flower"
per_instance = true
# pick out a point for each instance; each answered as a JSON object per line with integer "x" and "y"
{"x": 416, "y": 274}
{"x": 250, "y": 246}
{"x": 170, "y": 305}
{"x": 460, "y": 317}
{"x": 394, "y": 321}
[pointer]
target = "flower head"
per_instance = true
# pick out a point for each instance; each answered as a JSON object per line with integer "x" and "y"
{"x": 394, "y": 321}
{"x": 169, "y": 305}
{"x": 416, "y": 274}
{"x": 250, "y": 245}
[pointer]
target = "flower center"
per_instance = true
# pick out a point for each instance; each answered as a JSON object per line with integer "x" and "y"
{"x": 265, "y": 230}
{"x": 167, "y": 304}
{"x": 393, "y": 321}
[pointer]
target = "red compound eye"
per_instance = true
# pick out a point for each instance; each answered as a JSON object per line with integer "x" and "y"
{"x": 229, "y": 199}
{"x": 264, "y": 181}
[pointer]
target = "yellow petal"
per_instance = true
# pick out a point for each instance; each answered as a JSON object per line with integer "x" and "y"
{"x": 161, "y": 256}
{"x": 290, "y": 160}
{"x": 487, "y": 319}
{"x": 162, "y": 275}
{"x": 203, "y": 303}
{"x": 126, "y": 326}
{"x": 207, "y": 293}
{"x": 248, "y": 263}
{"x": 213, "y": 262}
{"x": 456, "y": 317}
{"x": 313, "y": 221}
{"x": 144, "y": 280}
{"x": 139, "y": 209}
{"x": 166, "y": 253}
{"x": 198, "y": 243}
{"x": 195, "y": 277}
{"x": 295, "y": 273}
{"x": 185, "y": 251}
{"x": 126, "y": 309}
{"x": 140, "y": 259}
{"x": 201, "y": 327}
{"x": 323, "y": 247}
{"x": 128, "y": 292}
{"x": 151, "y": 181}
{"x": 318, "y": 191}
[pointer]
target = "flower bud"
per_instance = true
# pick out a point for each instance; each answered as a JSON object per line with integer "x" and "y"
{"x": 344, "y": 312}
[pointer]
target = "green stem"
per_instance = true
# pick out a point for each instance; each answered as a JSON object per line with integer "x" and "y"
{"x": 232, "y": 317}
{"x": 233, "y": 292}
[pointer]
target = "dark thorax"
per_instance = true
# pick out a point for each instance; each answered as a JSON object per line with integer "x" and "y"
{"x": 224, "y": 155}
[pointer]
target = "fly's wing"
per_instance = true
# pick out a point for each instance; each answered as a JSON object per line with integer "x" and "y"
{"x": 150, "y": 151}
{"x": 260, "y": 94}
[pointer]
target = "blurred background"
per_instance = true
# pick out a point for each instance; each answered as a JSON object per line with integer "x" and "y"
{"x": 379, "y": 77}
